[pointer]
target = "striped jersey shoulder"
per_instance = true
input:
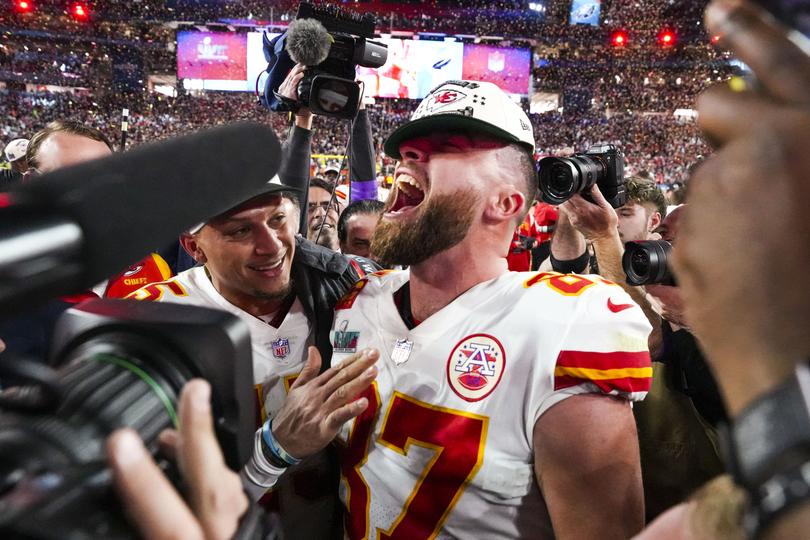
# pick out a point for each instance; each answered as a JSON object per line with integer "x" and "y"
{"x": 604, "y": 348}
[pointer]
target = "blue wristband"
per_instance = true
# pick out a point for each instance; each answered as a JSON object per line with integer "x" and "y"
{"x": 274, "y": 447}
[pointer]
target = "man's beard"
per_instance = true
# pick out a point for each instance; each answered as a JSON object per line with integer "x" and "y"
{"x": 279, "y": 294}
{"x": 443, "y": 223}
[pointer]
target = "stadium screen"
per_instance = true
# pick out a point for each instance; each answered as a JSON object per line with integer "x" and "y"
{"x": 212, "y": 60}
{"x": 509, "y": 68}
{"x": 585, "y": 12}
{"x": 230, "y": 61}
{"x": 413, "y": 68}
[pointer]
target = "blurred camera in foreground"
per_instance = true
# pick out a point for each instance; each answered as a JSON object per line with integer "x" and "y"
{"x": 563, "y": 177}
{"x": 119, "y": 364}
{"x": 647, "y": 263}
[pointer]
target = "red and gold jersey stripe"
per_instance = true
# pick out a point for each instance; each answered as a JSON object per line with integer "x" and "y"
{"x": 620, "y": 371}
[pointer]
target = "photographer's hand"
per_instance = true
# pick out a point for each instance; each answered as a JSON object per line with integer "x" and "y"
{"x": 743, "y": 251}
{"x": 318, "y": 405}
{"x": 594, "y": 221}
{"x": 216, "y": 497}
{"x": 289, "y": 89}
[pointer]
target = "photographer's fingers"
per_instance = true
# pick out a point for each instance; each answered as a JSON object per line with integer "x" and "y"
{"x": 599, "y": 199}
{"x": 350, "y": 370}
{"x": 215, "y": 491}
{"x": 168, "y": 442}
{"x": 151, "y": 501}
{"x": 760, "y": 41}
{"x": 311, "y": 368}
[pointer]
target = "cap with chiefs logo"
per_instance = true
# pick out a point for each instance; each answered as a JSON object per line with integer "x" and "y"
{"x": 475, "y": 106}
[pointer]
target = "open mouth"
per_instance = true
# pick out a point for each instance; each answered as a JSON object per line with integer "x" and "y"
{"x": 409, "y": 194}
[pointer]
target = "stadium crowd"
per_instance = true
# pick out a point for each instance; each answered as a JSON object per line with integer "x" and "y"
{"x": 657, "y": 142}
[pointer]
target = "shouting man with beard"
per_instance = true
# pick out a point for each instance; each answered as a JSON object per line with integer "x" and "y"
{"x": 501, "y": 401}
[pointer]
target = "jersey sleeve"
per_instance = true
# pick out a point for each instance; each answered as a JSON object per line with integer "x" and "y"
{"x": 152, "y": 269}
{"x": 604, "y": 349}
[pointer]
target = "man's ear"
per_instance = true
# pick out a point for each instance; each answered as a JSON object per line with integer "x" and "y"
{"x": 655, "y": 221}
{"x": 192, "y": 246}
{"x": 505, "y": 205}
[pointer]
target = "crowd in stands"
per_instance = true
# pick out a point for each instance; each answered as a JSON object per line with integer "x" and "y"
{"x": 659, "y": 143}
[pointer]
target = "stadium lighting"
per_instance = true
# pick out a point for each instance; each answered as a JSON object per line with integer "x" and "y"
{"x": 618, "y": 38}
{"x": 667, "y": 38}
{"x": 23, "y": 6}
{"x": 79, "y": 11}
{"x": 537, "y": 6}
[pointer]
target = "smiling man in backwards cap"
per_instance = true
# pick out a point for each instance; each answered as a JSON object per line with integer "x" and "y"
{"x": 284, "y": 288}
{"x": 502, "y": 404}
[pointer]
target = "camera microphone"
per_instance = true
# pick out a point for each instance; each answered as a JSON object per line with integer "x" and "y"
{"x": 308, "y": 42}
{"x": 72, "y": 228}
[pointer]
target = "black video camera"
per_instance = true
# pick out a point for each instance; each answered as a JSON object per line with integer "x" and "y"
{"x": 603, "y": 165}
{"x": 331, "y": 43}
{"x": 116, "y": 363}
{"x": 647, "y": 263}
{"x": 120, "y": 364}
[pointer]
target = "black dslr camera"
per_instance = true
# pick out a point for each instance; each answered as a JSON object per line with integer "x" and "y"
{"x": 331, "y": 43}
{"x": 603, "y": 165}
{"x": 647, "y": 263}
{"x": 120, "y": 364}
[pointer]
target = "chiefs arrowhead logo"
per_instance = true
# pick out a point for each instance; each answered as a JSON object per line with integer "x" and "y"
{"x": 616, "y": 308}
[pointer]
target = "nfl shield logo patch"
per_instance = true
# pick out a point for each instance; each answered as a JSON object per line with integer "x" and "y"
{"x": 281, "y": 348}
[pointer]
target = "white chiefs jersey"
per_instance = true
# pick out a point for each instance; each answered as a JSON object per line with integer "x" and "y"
{"x": 279, "y": 355}
{"x": 445, "y": 447}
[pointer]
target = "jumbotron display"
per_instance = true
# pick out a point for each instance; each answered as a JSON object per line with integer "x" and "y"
{"x": 232, "y": 61}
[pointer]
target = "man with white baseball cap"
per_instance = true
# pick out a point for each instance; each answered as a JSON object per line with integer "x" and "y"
{"x": 15, "y": 155}
{"x": 515, "y": 387}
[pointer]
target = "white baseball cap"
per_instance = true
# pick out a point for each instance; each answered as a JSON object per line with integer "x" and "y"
{"x": 273, "y": 186}
{"x": 16, "y": 149}
{"x": 465, "y": 106}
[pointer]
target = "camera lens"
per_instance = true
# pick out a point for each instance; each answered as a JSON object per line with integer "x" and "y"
{"x": 640, "y": 262}
{"x": 647, "y": 263}
{"x": 561, "y": 178}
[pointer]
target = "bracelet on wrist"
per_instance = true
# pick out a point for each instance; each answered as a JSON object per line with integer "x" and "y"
{"x": 273, "y": 451}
